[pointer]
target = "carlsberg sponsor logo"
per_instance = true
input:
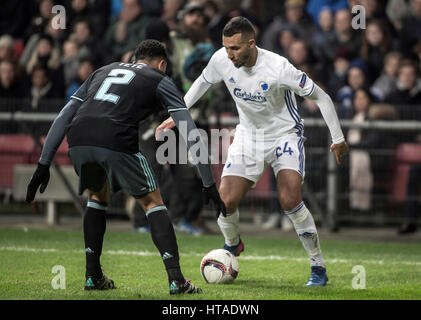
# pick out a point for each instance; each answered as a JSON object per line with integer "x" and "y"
{"x": 247, "y": 96}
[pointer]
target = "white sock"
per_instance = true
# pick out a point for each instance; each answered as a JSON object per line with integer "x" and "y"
{"x": 229, "y": 226}
{"x": 305, "y": 227}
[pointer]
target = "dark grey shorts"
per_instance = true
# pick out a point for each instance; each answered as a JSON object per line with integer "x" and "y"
{"x": 130, "y": 172}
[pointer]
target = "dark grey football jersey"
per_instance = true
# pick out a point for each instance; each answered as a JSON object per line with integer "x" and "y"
{"x": 115, "y": 98}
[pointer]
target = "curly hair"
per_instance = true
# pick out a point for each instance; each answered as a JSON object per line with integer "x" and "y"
{"x": 150, "y": 49}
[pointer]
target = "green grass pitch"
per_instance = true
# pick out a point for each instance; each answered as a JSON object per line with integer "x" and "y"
{"x": 270, "y": 269}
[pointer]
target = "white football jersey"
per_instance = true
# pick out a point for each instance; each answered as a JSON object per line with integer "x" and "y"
{"x": 264, "y": 93}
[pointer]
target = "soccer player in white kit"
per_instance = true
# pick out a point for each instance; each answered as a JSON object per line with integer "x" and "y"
{"x": 270, "y": 132}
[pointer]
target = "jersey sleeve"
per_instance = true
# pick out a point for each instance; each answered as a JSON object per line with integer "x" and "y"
{"x": 211, "y": 73}
{"x": 169, "y": 96}
{"x": 296, "y": 80}
{"x": 82, "y": 93}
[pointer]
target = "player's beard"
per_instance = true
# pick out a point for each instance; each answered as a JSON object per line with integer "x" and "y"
{"x": 242, "y": 60}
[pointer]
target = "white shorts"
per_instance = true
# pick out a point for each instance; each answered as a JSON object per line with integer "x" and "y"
{"x": 249, "y": 158}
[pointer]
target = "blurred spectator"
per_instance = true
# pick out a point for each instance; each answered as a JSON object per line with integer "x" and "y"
{"x": 43, "y": 89}
{"x": 170, "y": 12}
{"x": 97, "y": 12}
{"x": 11, "y": 85}
{"x": 235, "y": 8}
{"x": 216, "y": 23}
{"x": 360, "y": 175}
{"x": 191, "y": 31}
{"x": 411, "y": 28}
{"x": 397, "y": 11}
{"x": 345, "y": 37}
{"x": 12, "y": 90}
{"x": 128, "y": 30}
{"x": 315, "y": 7}
{"x": 6, "y": 47}
{"x": 325, "y": 30}
{"x": 158, "y": 29}
{"x": 44, "y": 53}
{"x": 301, "y": 56}
{"x": 287, "y": 35}
{"x": 386, "y": 83}
{"x": 407, "y": 95}
{"x": 336, "y": 79}
{"x": 84, "y": 69}
{"x": 41, "y": 19}
{"x": 376, "y": 42}
{"x": 294, "y": 15}
{"x": 71, "y": 56}
{"x": 375, "y": 9}
{"x": 48, "y": 55}
{"x": 57, "y": 35}
{"x": 89, "y": 45}
{"x": 44, "y": 97}
{"x": 356, "y": 78}
{"x": 116, "y": 7}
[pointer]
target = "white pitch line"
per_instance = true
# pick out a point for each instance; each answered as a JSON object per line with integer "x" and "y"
{"x": 243, "y": 257}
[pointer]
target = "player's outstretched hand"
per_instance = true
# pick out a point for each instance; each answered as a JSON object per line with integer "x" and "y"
{"x": 165, "y": 125}
{"x": 211, "y": 193}
{"x": 41, "y": 177}
{"x": 340, "y": 150}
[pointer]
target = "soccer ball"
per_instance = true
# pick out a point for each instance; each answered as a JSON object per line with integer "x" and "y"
{"x": 219, "y": 266}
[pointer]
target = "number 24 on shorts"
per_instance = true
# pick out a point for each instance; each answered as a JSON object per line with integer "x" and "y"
{"x": 279, "y": 152}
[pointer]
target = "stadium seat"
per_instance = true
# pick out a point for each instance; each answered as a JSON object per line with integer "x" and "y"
{"x": 14, "y": 149}
{"x": 61, "y": 156}
{"x": 406, "y": 155}
{"x": 21, "y": 149}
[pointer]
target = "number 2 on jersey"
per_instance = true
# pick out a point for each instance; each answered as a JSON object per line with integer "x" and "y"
{"x": 114, "y": 77}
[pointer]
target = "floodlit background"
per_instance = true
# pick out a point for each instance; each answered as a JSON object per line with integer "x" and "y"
{"x": 367, "y": 59}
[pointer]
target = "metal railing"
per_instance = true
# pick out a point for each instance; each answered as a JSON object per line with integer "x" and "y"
{"x": 323, "y": 202}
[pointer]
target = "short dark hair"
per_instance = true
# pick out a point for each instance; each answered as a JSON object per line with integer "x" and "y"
{"x": 238, "y": 25}
{"x": 150, "y": 49}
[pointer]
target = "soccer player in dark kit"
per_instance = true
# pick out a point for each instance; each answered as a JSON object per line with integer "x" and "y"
{"x": 101, "y": 124}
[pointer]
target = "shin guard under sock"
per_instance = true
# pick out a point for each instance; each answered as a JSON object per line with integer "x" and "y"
{"x": 163, "y": 236}
{"x": 94, "y": 225}
{"x": 305, "y": 227}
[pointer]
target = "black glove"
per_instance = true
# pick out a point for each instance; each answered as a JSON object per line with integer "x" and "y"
{"x": 41, "y": 177}
{"x": 211, "y": 193}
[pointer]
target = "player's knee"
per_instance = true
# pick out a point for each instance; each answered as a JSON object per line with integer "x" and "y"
{"x": 289, "y": 201}
{"x": 230, "y": 204}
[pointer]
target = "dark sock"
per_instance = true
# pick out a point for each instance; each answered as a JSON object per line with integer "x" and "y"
{"x": 163, "y": 236}
{"x": 94, "y": 224}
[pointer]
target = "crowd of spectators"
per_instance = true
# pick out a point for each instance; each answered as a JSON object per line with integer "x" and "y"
{"x": 375, "y": 67}
{"x": 39, "y": 60}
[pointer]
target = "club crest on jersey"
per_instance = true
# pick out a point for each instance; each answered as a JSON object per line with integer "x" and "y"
{"x": 264, "y": 86}
{"x": 303, "y": 80}
{"x": 231, "y": 80}
{"x": 248, "y": 96}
